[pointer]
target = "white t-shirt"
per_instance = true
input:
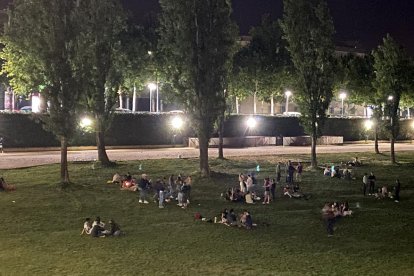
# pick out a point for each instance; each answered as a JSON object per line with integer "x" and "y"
{"x": 87, "y": 227}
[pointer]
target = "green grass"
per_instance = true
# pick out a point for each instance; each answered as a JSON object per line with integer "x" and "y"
{"x": 40, "y": 224}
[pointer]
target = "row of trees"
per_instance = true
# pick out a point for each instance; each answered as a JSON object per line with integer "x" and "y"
{"x": 82, "y": 53}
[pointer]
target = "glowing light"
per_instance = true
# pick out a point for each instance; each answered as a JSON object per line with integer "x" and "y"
{"x": 85, "y": 122}
{"x": 177, "y": 123}
{"x": 288, "y": 93}
{"x": 342, "y": 96}
{"x": 368, "y": 124}
{"x": 251, "y": 122}
{"x": 35, "y": 104}
{"x": 390, "y": 97}
{"x": 152, "y": 86}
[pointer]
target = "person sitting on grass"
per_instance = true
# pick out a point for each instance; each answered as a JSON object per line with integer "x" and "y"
{"x": 355, "y": 162}
{"x": 116, "y": 179}
{"x": 249, "y": 198}
{"x": 246, "y": 220}
{"x": 4, "y": 187}
{"x": 286, "y": 191}
{"x": 129, "y": 184}
{"x": 327, "y": 172}
{"x": 231, "y": 218}
{"x": 114, "y": 229}
{"x": 98, "y": 228}
{"x": 87, "y": 227}
{"x": 344, "y": 209}
{"x": 223, "y": 217}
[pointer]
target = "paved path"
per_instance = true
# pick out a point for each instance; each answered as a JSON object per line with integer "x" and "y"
{"x": 28, "y": 159}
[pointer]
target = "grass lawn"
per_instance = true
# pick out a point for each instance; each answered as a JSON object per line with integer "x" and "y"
{"x": 40, "y": 224}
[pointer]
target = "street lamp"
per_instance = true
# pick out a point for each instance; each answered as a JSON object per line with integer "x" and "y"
{"x": 152, "y": 87}
{"x": 342, "y": 96}
{"x": 368, "y": 124}
{"x": 177, "y": 123}
{"x": 251, "y": 123}
{"x": 288, "y": 93}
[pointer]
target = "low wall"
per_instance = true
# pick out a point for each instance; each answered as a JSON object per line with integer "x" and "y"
{"x": 306, "y": 140}
{"x": 237, "y": 142}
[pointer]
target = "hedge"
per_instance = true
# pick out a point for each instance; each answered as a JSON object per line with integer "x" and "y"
{"x": 25, "y": 130}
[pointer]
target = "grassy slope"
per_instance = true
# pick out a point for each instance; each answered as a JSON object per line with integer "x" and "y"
{"x": 39, "y": 233}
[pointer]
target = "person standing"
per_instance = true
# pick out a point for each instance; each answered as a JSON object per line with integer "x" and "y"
{"x": 372, "y": 179}
{"x": 278, "y": 172}
{"x": 397, "y": 188}
{"x": 291, "y": 172}
{"x": 365, "y": 183}
{"x": 143, "y": 185}
{"x": 1, "y": 144}
{"x": 273, "y": 189}
{"x": 299, "y": 170}
{"x": 267, "y": 186}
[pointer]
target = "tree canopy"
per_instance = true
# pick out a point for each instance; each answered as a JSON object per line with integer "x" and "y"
{"x": 197, "y": 41}
{"x": 308, "y": 30}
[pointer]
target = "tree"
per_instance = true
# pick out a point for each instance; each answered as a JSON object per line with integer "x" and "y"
{"x": 356, "y": 75}
{"x": 392, "y": 79}
{"x": 40, "y": 49}
{"x": 264, "y": 66}
{"x": 197, "y": 40}
{"x": 308, "y": 29}
{"x": 102, "y": 22}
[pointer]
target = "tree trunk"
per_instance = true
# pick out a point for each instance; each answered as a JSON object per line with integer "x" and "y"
{"x": 64, "y": 173}
{"x": 272, "y": 105}
{"x": 393, "y": 161}
{"x": 100, "y": 144}
{"x": 314, "y": 162}
{"x": 203, "y": 147}
{"x": 376, "y": 140}
{"x": 221, "y": 133}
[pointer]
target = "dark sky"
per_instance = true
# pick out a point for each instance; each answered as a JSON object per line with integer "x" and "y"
{"x": 366, "y": 21}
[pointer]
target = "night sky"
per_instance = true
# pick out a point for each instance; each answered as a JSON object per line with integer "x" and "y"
{"x": 366, "y": 21}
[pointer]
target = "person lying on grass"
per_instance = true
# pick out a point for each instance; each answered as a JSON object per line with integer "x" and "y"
{"x": 4, "y": 187}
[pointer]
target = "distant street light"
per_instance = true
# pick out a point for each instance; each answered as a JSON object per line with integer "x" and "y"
{"x": 368, "y": 125}
{"x": 342, "y": 96}
{"x": 390, "y": 97}
{"x": 85, "y": 122}
{"x": 288, "y": 93}
{"x": 177, "y": 123}
{"x": 251, "y": 123}
{"x": 152, "y": 87}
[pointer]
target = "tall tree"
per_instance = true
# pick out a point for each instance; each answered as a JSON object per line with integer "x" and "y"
{"x": 392, "y": 79}
{"x": 264, "y": 66}
{"x": 197, "y": 38}
{"x": 356, "y": 74}
{"x": 102, "y": 22}
{"x": 308, "y": 29}
{"x": 41, "y": 40}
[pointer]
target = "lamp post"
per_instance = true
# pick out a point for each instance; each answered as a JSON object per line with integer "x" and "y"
{"x": 152, "y": 87}
{"x": 342, "y": 96}
{"x": 287, "y": 94}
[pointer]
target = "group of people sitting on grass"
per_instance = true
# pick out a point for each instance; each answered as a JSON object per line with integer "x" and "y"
{"x": 162, "y": 191}
{"x": 369, "y": 183}
{"x": 229, "y": 218}
{"x": 5, "y": 187}
{"x": 336, "y": 172}
{"x": 332, "y": 212}
{"x": 98, "y": 228}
